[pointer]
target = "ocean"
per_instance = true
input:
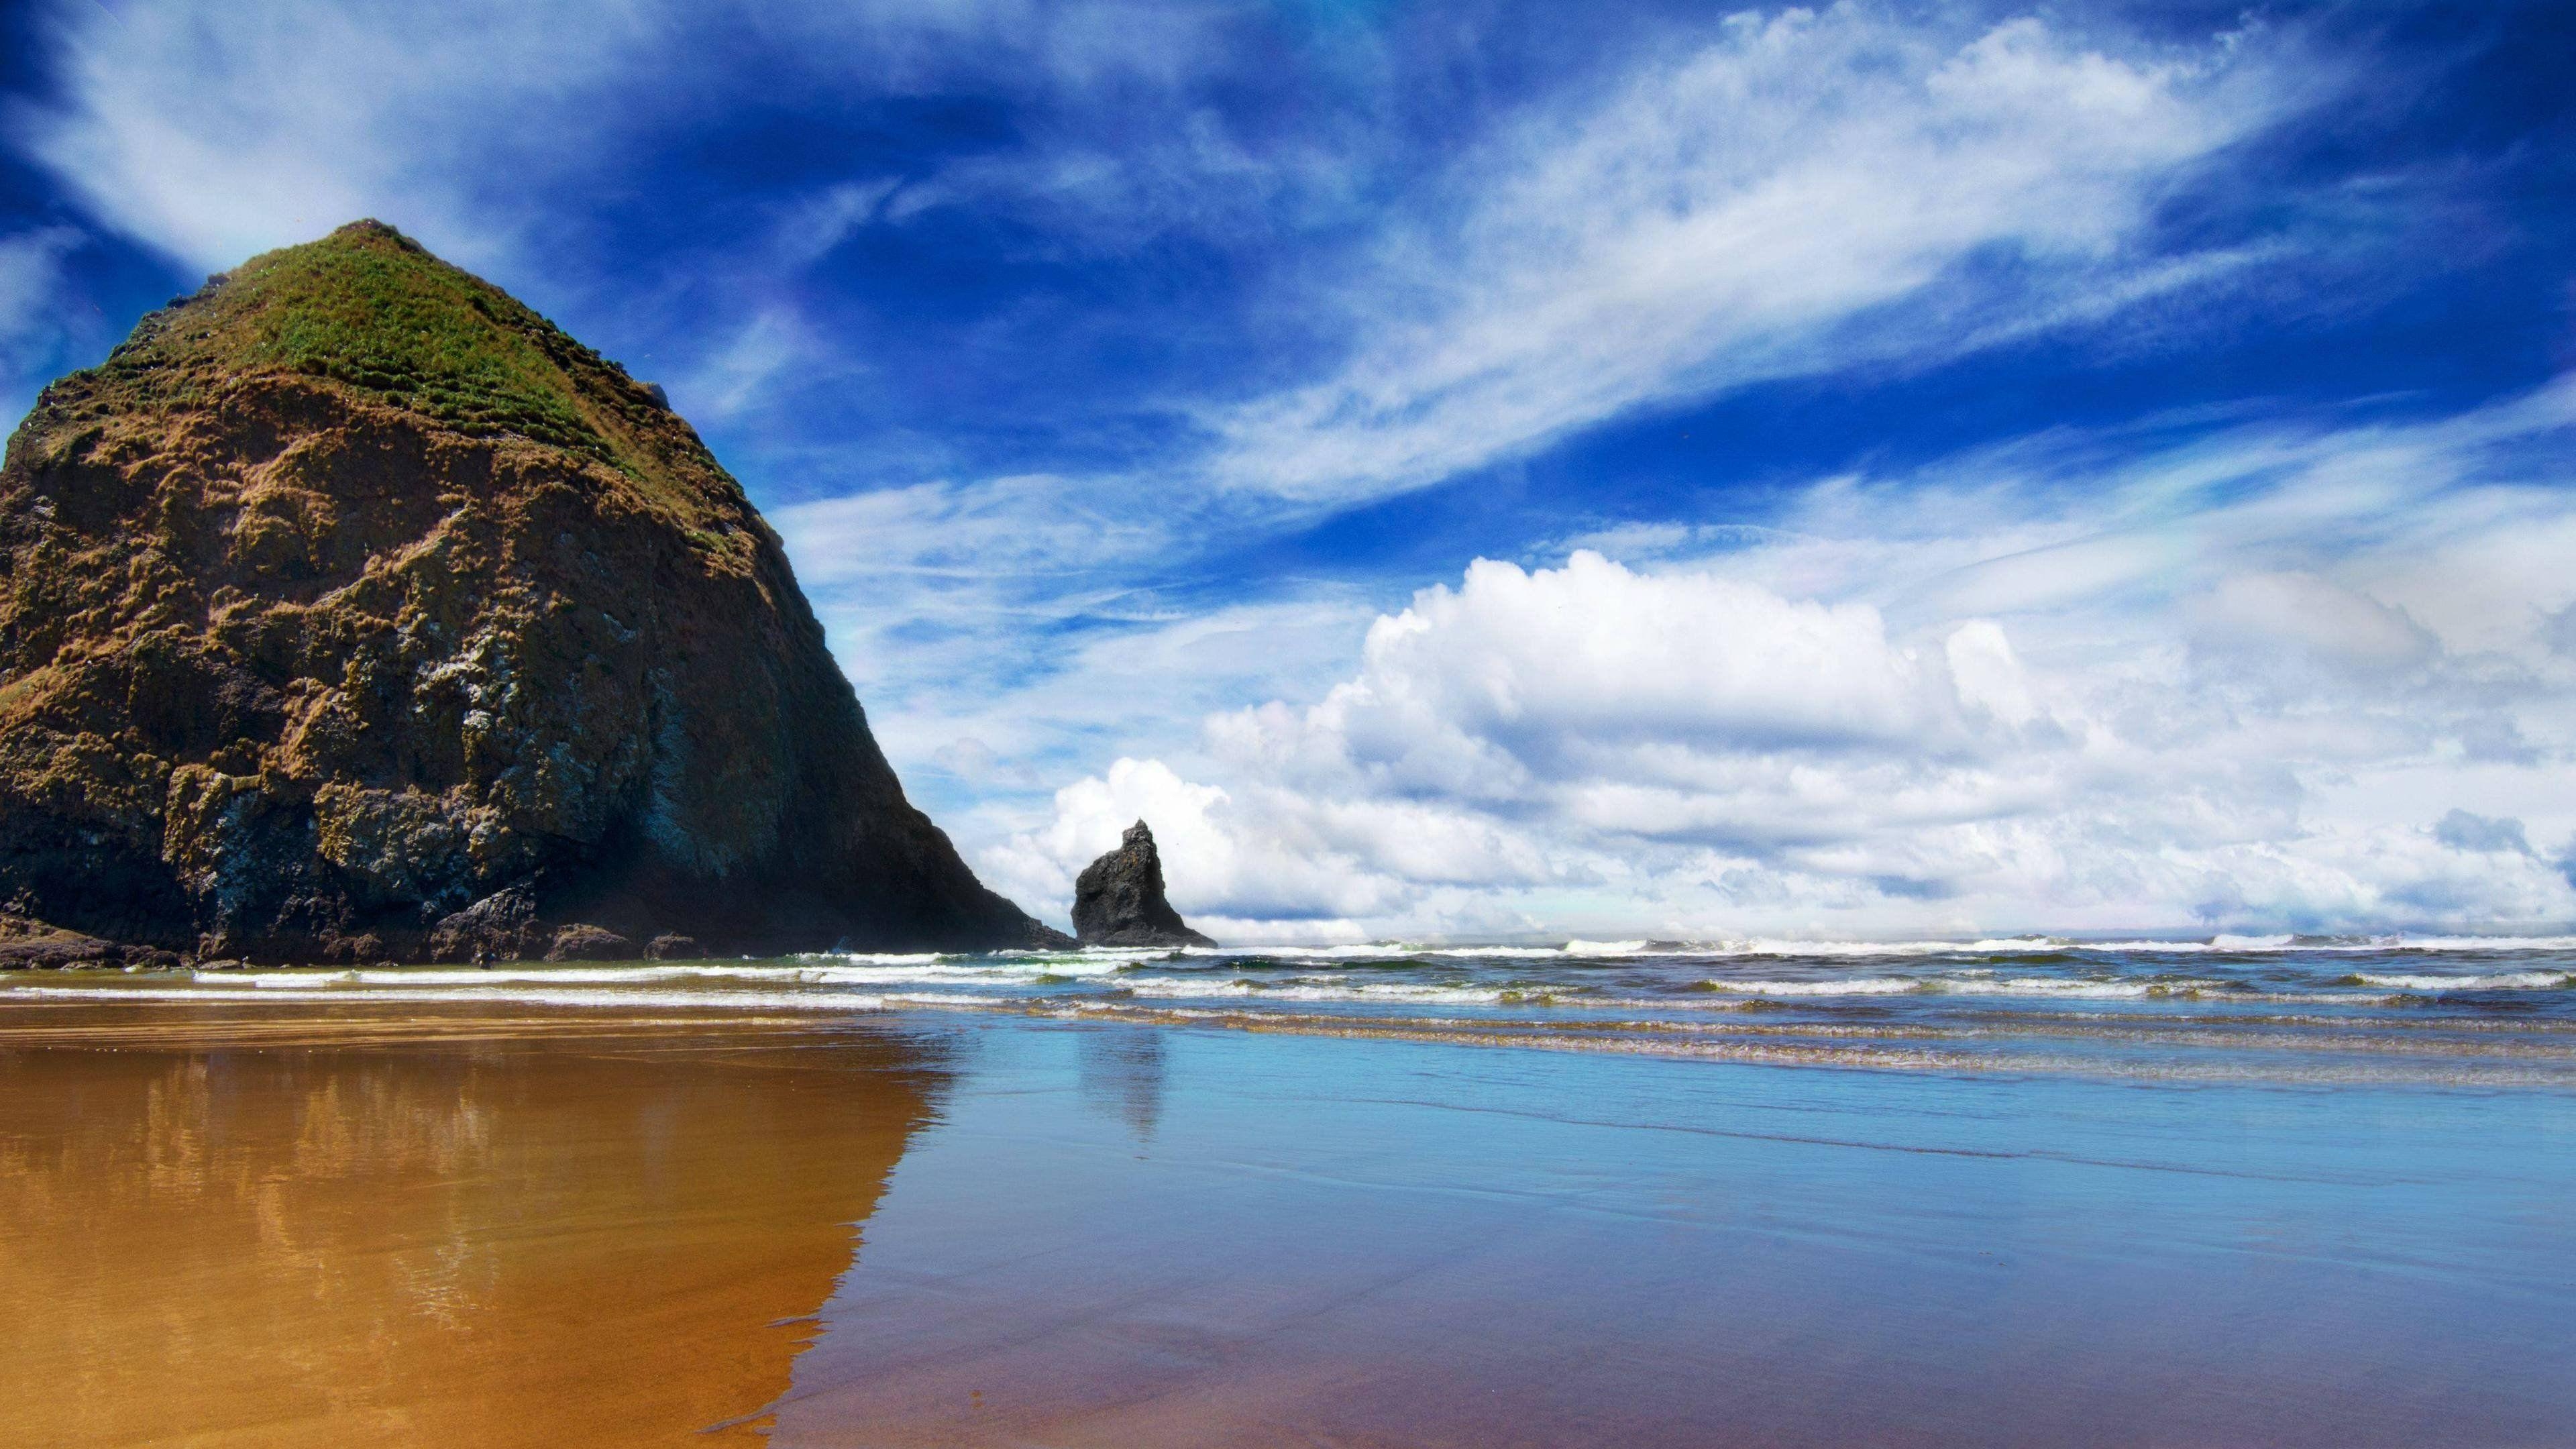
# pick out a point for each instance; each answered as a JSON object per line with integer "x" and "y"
{"x": 2431, "y": 1010}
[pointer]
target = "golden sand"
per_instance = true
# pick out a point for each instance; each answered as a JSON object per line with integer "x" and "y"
{"x": 403, "y": 1225}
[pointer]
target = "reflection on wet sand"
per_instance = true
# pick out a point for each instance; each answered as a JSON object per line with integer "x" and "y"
{"x": 440, "y": 1226}
{"x": 1119, "y": 1071}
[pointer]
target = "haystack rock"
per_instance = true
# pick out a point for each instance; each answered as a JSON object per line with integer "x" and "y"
{"x": 351, "y": 611}
{"x": 1118, "y": 900}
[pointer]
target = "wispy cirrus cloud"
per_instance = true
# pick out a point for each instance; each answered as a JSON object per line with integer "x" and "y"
{"x": 216, "y": 131}
{"x": 737, "y": 146}
{"x": 1779, "y": 194}
{"x": 41, "y": 319}
{"x": 1003, "y": 630}
{"x": 1803, "y": 193}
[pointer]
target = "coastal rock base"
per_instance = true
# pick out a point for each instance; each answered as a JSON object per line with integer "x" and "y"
{"x": 29, "y": 945}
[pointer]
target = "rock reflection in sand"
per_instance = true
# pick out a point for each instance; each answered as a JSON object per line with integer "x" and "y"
{"x": 1119, "y": 1070}
{"x": 455, "y": 1226}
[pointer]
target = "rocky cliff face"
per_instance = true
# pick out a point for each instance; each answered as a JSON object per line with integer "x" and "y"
{"x": 1118, "y": 899}
{"x": 352, "y": 611}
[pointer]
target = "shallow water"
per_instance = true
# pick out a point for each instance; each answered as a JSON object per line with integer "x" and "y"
{"x": 1021, "y": 1201}
{"x": 1135, "y": 1235}
{"x": 2458, "y": 1011}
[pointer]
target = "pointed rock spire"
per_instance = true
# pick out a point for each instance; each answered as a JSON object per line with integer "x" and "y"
{"x": 1118, "y": 901}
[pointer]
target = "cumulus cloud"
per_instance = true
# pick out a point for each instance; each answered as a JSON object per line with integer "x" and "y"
{"x": 2221, "y": 682}
{"x": 2321, "y": 620}
{"x": 1481, "y": 691}
{"x": 1807, "y": 191}
{"x": 1270, "y": 864}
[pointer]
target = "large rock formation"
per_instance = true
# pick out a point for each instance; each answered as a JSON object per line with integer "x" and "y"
{"x": 1118, "y": 899}
{"x": 351, "y": 611}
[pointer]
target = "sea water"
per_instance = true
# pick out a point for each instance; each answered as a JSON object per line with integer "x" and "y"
{"x": 2424, "y": 1010}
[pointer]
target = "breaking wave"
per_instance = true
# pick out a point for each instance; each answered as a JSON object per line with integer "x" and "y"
{"x": 2456, "y": 1009}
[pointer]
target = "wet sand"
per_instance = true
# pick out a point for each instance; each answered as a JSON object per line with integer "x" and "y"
{"x": 513, "y": 1225}
{"x": 1123, "y": 1235}
{"x": 425, "y": 1226}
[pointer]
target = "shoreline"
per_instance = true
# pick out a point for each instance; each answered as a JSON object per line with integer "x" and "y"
{"x": 2312, "y": 1016}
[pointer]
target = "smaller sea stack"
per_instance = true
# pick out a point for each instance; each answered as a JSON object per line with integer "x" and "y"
{"x": 1118, "y": 900}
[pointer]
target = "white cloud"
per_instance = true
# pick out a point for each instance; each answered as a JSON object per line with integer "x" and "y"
{"x": 726, "y": 382}
{"x": 2218, "y": 682}
{"x": 1808, "y": 191}
{"x": 31, "y": 276}
{"x": 215, "y": 132}
{"x": 523, "y": 141}
{"x": 30, "y": 273}
{"x": 1473, "y": 692}
{"x": 1265, "y": 862}
{"x": 980, "y": 572}
{"x": 1048, "y": 620}
{"x": 2481, "y": 834}
{"x": 2323, "y": 620}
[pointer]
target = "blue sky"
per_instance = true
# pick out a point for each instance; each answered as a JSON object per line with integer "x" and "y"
{"x": 1481, "y": 469}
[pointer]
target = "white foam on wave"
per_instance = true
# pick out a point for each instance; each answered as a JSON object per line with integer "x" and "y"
{"x": 2223, "y": 944}
{"x": 2483, "y": 943}
{"x": 834, "y": 970}
{"x": 1187, "y": 989}
{"x": 1000, "y": 973}
{"x": 1379, "y": 950}
{"x": 1962, "y": 984}
{"x": 1850, "y": 986}
{"x": 294, "y": 980}
{"x": 2058, "y": 986}
{"x": 1369, "y": 951}
{"x": 2498, "y": 981}
{"x": 1993, "y": 946}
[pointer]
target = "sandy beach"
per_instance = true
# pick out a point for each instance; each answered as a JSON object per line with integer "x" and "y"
{"x": 291, "y": 1223}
